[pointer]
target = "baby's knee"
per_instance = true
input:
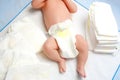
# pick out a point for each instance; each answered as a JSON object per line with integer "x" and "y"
{"x": 81, "y": 43}
{"x": 46, "y": 46}
{"x": 50, "y": 44}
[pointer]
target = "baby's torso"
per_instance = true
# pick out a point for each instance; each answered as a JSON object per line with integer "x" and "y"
{"x": 55, "y": 11}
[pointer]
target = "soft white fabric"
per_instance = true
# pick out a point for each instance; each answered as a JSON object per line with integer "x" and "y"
{"x": 64, "y": 34}
{"x": 31, "y": 32}
{"x": 18, "y": 51}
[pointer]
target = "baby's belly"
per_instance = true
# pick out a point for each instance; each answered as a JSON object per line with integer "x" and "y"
{"x": 55, "y": 12}
{"x": 52, "y": 18}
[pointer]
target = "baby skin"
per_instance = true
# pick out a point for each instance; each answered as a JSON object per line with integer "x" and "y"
{"x": 55, "y": 11}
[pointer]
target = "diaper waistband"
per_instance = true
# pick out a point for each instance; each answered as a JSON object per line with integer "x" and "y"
{"x": 60, "y": 26}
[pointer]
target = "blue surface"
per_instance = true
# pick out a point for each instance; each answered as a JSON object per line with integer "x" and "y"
{"x": 115, "y": 4}
{"x": 10, "y": 9}
{"x": 117, "y": 74}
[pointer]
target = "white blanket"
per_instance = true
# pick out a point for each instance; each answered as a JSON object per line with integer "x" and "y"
{"x": 21, "y": 57}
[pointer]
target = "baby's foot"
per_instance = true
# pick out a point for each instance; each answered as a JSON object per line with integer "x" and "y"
{"x": 62, "y": 66}
{"x": 81, "y": 71}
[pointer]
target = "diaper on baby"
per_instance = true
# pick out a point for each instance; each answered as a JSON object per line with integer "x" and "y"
{"x": 65, "y": 37}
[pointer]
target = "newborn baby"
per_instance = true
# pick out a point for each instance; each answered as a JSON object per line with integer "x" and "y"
{"x": 62, "y": 42}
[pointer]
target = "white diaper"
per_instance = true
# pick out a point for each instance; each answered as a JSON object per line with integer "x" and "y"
{"x": 65, "y": 37}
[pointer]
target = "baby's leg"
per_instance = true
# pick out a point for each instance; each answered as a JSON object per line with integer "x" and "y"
{"x": 51, "y": 50}
{"x": 82, "y": 47}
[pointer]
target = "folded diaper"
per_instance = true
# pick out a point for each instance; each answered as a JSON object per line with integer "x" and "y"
{"x": 65, "y": 37}
{"x": 103, "y": 19}
{"x": 101, "y": 46}
{"x": 102, "y": 28}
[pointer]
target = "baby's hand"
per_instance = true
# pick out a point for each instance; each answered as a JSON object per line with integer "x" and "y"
{"x": 37, "y": 4}
{"x": 70, "y": 5}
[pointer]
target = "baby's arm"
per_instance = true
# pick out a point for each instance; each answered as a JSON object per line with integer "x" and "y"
{"x": 70, "y": 5}
{"x": 37, "y": 4}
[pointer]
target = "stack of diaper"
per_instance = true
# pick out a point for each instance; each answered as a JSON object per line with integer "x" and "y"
{"x": 102, "y": 28}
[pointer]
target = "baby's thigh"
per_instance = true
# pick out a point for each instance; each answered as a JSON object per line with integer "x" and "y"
{"x": 51, "y": 43}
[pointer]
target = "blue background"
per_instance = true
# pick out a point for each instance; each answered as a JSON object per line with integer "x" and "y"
{"x": 9, "y": 10}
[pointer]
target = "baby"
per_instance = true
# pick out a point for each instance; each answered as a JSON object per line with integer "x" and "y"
{"x": 63, "y": 43}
